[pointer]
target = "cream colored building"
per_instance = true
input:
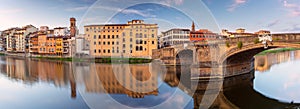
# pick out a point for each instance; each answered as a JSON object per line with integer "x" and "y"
{"x": 16, "y": 38}
{"x": 135, "y": 39}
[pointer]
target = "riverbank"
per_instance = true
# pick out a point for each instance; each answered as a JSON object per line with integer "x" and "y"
{"x": 107, "y": 60}
{"x": 277, "y": 50}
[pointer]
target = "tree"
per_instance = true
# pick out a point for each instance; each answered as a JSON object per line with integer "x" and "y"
{"x": 227, "y": 44}
{"x": 240, "y": 44}
{"x": 256, "y": 41}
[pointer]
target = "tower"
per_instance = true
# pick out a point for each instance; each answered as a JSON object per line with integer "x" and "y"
{"x": 72, "y": 27}
{"x": 193, "y": 26}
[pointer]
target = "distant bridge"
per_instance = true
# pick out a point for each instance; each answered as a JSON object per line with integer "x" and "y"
{"x": 223, "y": 57}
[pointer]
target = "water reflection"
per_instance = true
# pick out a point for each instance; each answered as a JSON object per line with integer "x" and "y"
{"x": 63, "y": 85}
{"x": 278, "y": 76}
{"x": 37, "y": 84}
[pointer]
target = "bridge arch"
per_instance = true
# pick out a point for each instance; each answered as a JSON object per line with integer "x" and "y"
{"x": 238, "y": 60}
{"x": 259, "y": 47}
{"x": 184, "y": 57}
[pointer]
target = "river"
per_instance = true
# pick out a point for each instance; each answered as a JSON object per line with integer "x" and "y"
{"x": 42, "y": 84}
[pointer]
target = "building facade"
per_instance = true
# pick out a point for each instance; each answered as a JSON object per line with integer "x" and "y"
{"x": 239, "y": 33}
{"x": 202, "y": 35}
{"x": 135, "y": 39}
{"x": 175, "y": 37}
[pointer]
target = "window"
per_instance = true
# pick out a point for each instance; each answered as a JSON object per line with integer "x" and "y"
{"x": 152, "y": 42}
{"x": 108, "y": 51}
{"x": 124, "y": 40}
{"x": 145, "y": 35}
{"x": 95, "y": 36}
{"x": 99, "y": 36}
{"x": 136, "y": 48}
{"x": 103, "y": 43}
{"x": 99, "y": 51}
{"x": 117, "y": 43}
{"x": 130, "y": 39}
{"x": 108, "y": 36}
{"x": 141, "y": 48}
{"x": 113, "y": 43}
{"x": 124, "y": 46}
{"x": 130, "y": 46}
{"x": 145, "y": 42}
{"x": 141, "y": 35}
{"x": 113, "y": 36}
{"x": 99, "y": 43}
{"x": 103, "y": 36}
{"x": 108, "y": 43}
{"x": 117, "y": 36}
{"x": 94, "y": 43}
{"x": 95, "y": 51}
{"x": 104, "y": 51}
{"x": 152, "y": 35}
{"x": 130, "y": 34}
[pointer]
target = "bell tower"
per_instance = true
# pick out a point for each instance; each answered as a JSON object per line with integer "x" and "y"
{"x": 193, "y": 27}
{"x": 72, "y": 27}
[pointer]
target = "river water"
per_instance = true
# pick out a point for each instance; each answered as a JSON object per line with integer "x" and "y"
{"x": 42, "y": 84}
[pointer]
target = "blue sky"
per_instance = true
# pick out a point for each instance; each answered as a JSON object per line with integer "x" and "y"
{"x": 253, "y": 15}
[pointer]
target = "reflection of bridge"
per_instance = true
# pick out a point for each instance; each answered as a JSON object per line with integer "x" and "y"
{"x": 221, "y": 55}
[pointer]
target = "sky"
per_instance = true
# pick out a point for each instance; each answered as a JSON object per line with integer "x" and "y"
{"x": 253, "y": 15}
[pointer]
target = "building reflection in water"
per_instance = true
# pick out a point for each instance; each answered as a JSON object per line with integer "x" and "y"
{"x": 133, "y": 80}
{"x": 264, "y": 62}
{"x": 32, "y": 71}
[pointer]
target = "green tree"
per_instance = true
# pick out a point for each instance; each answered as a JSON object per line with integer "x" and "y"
{"x": 240, "y": 44}
{"x": 256, "y": 41}
{"x": 227, "y": 44}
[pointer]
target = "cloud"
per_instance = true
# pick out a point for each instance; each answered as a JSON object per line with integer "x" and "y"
{"x": 176, "y": 2}
{"x": 273, "y": 23}
{"x": 144, "y": 13}
{"x": 10, "y": 11}
{"x": 293, "y": 28}
{"x": 81, "y": 8}
{"x": 236, "y": 4}
{"x": 292, "y": 7}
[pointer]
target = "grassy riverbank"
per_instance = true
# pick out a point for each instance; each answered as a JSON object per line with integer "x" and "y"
{"x": 2, "y": 54}
{"x": 55, "y": 58}
{"x": 277, "y": 50}
{"x": 100, "y": 60}
{"x": 123, "y": 60}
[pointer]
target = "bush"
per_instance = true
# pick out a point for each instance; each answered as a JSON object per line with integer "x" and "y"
{"x": 227, "y": 44}
{"x": 240, "y": 44}
{"x": 256, "y": 41}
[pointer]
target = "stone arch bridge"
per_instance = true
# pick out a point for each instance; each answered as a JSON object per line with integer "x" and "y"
{"x": 222, "y": 58}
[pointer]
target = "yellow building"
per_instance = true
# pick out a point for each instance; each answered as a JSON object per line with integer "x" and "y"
{"x": 134, "y": 39}
{"x": 42, "y": 42}
{"x": 59, "y": 46}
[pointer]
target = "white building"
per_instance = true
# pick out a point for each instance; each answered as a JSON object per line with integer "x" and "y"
{"x": 61, "y": 31}
{"x": 175, "y": 37}
{"x": 82, "y": 46}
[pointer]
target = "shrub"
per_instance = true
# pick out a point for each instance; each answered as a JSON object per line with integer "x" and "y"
{"x": 227, "y": 44}
{"x": 240, "y": 44}
{"x": 256, "y": 41}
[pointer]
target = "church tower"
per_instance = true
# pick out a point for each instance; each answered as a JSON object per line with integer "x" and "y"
{"x": 72, "y": 27}
{"x": 193, "y": 27}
